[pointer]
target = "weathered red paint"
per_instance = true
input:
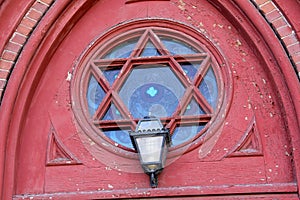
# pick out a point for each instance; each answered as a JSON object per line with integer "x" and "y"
{"x": 46, "y": 59}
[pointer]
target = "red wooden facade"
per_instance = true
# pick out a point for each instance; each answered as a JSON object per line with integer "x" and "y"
{"x": 251, "y": 149}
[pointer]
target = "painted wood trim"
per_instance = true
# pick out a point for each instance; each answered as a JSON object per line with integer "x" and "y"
{"x": 287, "y": 188}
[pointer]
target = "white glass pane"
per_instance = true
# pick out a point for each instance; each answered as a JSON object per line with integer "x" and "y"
{"x": 150, "y": 148}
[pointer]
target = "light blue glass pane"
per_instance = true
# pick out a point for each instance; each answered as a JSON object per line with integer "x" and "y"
{"x": 150, "y": 50}
{"x": 190, "y": 68}
{"x": 152, "y": 91}
{"x": 95, "y": 95}
{"x": 209, "y": 88}
{"x": 112, "y": 113}
{"x": 185, "y": 133}
{"x": 193, "y": 109}
{"x": 122, "y": 50}
{"x": 176, "y": 47}
{"x": 111, "y": 75}
{"x": 119, "y": 137}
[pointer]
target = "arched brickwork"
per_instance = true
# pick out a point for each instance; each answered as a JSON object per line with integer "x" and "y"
{"x": 18, "y": 37}
{"x": 25, "y": 27}
{"x": 284, "y": 30}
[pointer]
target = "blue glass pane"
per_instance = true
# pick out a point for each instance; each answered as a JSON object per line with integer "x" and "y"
{"x": 112, "y": 113}
{"x": 120, "y": 137}
{"x": 122, "y": 50}
{"x": 95, "y": 95}
{"x": 111, "y": 74}
{"x": 152, "y": 99}
{"x": 209, "y": 88}
{"x": 190, "y": 69}
{"x": 176, "y": 47}
{"x": 150, "y": 50}
{"x": 152, "y": 91}
{"x": 185, "y": 133}
{"x": 193, "y": 108}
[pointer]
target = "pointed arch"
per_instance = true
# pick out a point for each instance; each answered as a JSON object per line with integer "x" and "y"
{"x": 35, "y": 54}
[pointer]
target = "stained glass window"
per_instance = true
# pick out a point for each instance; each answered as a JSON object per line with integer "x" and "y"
{"x": 155, "y": 73}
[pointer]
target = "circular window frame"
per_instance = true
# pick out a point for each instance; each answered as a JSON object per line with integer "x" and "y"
{"x": 128, "y": 31}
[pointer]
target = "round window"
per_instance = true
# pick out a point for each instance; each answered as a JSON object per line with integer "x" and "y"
{"x": 148, "y": 69}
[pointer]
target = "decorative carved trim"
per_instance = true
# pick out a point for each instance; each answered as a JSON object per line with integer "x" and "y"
{"x": 249, "y": 144}
{"x": 57, "y": 153}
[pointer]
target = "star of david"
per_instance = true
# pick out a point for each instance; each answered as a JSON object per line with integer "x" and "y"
{"x": 151, "y": 72}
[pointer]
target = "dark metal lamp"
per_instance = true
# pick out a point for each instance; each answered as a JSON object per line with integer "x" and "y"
{"x": 151, "y": 141}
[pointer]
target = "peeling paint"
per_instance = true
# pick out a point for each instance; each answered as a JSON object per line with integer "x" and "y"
{"x": 238, "y": 43}
{"x": 110, "y": 186}
{"x": 182, "y": 5}
{"x": 69, "y": 76}
{"x": 270, "y": 170}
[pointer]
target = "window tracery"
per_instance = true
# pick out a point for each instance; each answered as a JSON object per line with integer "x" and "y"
{"x": 150, "y": 71}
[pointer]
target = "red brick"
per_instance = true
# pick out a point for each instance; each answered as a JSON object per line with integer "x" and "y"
{"x": 24, "y": 30}
{"x": 271, "y": 16}
{"x": 28, "y": 22}
{"x": 289, "y": 40}
{"x": 293, "y": 49}
{"x": 296, "y": 58}
{"x": 48, "y": 2}
{"x": 4, "y": 74}
{"x": 13, "y": 47}
{"x": 40, "y": 7}
{"x": 34, "y": 14}
{"x": 298, "y": 69}
{"x": 280, "y": 22}
{"x": 284, "y": 31}
{"x": 9, "y": 55}
{"x": 2, "y": 84}
{"x": 259, "y": 2}
{"x": 5, "y": 64}
{"x": 268, "y": 7}
{"x": 18, "y": 38}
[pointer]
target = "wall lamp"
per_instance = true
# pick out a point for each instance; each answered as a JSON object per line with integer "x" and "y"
{"x": 151, "y": 141}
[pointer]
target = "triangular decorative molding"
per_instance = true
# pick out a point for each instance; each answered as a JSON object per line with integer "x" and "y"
{"x": 57, "y": 153}
{"x": 250, "y": 143}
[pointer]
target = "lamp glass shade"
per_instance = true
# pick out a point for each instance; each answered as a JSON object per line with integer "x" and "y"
{"x": 150, "y": 148}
